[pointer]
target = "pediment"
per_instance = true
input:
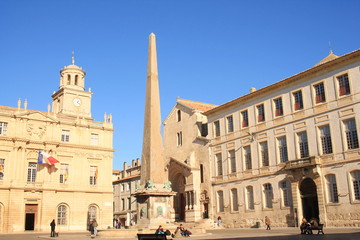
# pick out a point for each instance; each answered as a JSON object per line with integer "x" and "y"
{"x": 37, "y": 116}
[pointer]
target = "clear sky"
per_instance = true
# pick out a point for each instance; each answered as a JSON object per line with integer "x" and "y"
{"x": 210, "y": 51}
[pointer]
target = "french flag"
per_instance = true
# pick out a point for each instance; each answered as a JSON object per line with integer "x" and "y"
{"x": 46, "y": 158}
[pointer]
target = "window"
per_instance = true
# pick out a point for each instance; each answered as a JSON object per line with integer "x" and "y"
{"x": 93, "y": 175}
{"x": 282, "y": 149}
{"x": 61, "y": 215}
{"x": 179, "y": 139}
{"x": 94, "y": 139}
{"x": 232, "y": 161}
{"x": 332, "y": 188}
{"x": 64, "y": 173}
{"x": 219, "y": 164}
{"x": 220, "y": 199}
{"x": 123, "y": 203}
{"x": 68, "y": 79}
{"x": 32, "y": 167}
{"x": 129, "y": 203}
{"x": 264, "y": 153}
{"x": 278, "y": 107}
{"x": 298, "y": 100}
{"x": 250, "y": 197}
{"x": 92, "y": 213}
{"x": 201, "y": 173}
{"x": 65, "y": 135}
{"x": 325, "y": 138}
{"x": 261, "y": 113}
{"x": 178, "y": 115}
{"x": 128, "y": 188}
{"x": 220, "y": 196}
{"x": 319, "y": 93}
{"x": 76, "y": 79}
{"x": 230, "y": 124}
{"x": 344, "y": 85}
{"x": 356, "y": 184}
{"x": 247, "y": 157}
{"x": 351, "y": 134}
{"x": 2, "y": 163}
{"x": 286, "y": 193}
{"x": 303, "y": 145}
{"x": 245, "y": 118}
{"x": 234, "y": 198}
{"x": 122, "y": 187}
{"x": 3, "y": 128}
{"x": 268, "y": 194}
{"x": 217, "y": 128}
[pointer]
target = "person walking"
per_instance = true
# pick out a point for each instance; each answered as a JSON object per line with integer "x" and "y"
{"x": 267, "y": 222}
{"x": 94, "y": 225}
{"x": 219, "y": 221}
{"x": 52, "y": 225}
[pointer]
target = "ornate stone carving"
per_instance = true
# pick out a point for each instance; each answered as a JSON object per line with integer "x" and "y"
{"x": 167, "y": 185}
{"x": 36, "y": 129}
{"x": 149, "y": 185}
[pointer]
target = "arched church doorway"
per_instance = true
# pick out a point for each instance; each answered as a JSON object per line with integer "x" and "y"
{"x": 178, "y": 186}
{"x": 309, "y": 199}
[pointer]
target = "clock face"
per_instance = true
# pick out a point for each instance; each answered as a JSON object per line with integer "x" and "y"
{"x": 77, "y": 102}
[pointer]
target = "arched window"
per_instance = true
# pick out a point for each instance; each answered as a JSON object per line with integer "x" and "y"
{"x": 286, "y": 193}
{"x": 76, "y": 79}
{"x": 234, "y": 200}
{"x": 268, "y": 195}
{"x": 91, "y": 213}
{"x": 332, "y": 192}
{"x": 355, "y": 175}
{"x": 220, "y": 196}
{"x": 178, "y": 115}
{"x": 68, "y": 79}
{"x": 61, "y": 215}
{"x": 250, "y": 197}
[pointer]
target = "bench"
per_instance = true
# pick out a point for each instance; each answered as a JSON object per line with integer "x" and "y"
{"x": 318, "y": 228}
{"x": 151, "y": 236}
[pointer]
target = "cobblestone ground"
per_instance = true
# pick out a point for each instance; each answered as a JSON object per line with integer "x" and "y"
{"x": 226, "y": 234}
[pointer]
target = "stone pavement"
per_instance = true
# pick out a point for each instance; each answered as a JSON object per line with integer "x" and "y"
{"x": 226, "y": 234}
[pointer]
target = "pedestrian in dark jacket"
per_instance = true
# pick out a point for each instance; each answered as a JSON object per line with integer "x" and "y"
{"x": 52, "y": 225}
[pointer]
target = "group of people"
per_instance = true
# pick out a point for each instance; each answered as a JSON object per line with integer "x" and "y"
{"x": 306, "y": 226}
{"x": 180, "y": 231}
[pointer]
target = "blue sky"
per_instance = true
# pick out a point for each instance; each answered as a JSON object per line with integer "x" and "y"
{"x": 208, "y": 50}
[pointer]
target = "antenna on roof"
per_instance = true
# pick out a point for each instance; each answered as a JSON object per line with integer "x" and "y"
{"x": 330, "y": 47}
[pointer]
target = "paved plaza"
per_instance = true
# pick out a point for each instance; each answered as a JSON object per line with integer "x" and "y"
{"x": 227, "y": 234}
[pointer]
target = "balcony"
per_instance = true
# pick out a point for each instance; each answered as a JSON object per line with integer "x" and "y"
{"x": 302, "y": 162}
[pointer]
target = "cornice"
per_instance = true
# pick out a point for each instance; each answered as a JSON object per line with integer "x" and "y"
{"x": 346, "y": 59}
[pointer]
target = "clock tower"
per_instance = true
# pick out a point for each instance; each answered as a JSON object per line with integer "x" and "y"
{"x": 71, "y": 98}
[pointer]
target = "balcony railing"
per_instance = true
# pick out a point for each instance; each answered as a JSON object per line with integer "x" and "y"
{"x": 302, "y": 162}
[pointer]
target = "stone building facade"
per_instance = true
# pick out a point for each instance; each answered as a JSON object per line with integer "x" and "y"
{"x": 124, "y": 187}
{"x": 187, "y": 156}
{"x": 73, "y": 191}
{"x": 290, "y": 150}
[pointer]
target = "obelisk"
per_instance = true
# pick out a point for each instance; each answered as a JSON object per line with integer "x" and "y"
{"x": 152, "y": 151}
{"x": 154, "y": 195}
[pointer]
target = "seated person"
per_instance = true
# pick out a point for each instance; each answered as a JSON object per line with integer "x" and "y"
{"x": 160, "y": 230}
{"x": 314, "y": 223}
{"x": 184, "y": 232}
{"x": 305, "y": 226}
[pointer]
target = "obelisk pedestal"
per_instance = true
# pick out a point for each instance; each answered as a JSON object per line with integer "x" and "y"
{"x": 154, "y": 195}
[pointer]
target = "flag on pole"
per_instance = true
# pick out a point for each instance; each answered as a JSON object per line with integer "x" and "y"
{"x": 46, "y": 158}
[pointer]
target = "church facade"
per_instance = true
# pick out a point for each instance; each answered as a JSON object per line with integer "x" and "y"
{"x": 73, "y": 191}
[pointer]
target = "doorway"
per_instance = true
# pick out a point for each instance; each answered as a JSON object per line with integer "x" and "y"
{"x": 30, "y": 216}
{"x": 309, "y": 199}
